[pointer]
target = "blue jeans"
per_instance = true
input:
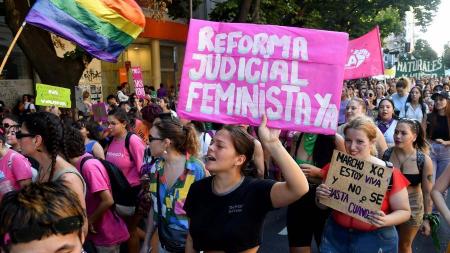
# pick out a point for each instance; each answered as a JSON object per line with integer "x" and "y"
{"x": 440, "y": 155}
{"x": 337, "y": 239}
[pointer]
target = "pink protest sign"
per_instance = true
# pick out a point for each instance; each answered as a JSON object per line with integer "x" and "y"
{"x": 99, "y": 112}
{"x": 364, "y": 57}
{"x": 234, "y": 73}
{"x": 138, "y": 82}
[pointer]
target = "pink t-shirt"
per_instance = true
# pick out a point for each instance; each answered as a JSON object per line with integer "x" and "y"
{"x": 15, "y": 167}
{"x": 118, "y": 155}
{"x": 111, "y": 229}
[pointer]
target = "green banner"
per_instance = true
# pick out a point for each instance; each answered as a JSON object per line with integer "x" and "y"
{"x": 48, "y": 95}
{"x": 419, "y": 68}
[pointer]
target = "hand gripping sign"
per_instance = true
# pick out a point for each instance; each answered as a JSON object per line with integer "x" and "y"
{"x": 234, "y": 73}
{"x": 357, "y": 186}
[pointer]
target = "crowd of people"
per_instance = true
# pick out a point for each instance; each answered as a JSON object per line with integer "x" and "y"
{"x": 148, "y": 181}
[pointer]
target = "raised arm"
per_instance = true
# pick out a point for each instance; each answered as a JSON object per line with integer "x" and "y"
{"x": 296, "y": 185}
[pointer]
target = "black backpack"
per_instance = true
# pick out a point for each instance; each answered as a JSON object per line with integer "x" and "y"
{"x": 127, "y": 144}
{"x": 120, "y": 187}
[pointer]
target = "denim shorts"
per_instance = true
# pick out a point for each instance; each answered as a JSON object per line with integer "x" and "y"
{"x": 337, "y": 239}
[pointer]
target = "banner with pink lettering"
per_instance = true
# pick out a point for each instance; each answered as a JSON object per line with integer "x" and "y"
{"x": 138, "y": 82}
{"x": 234, "y": 73}
{"x": 364, "y": 57}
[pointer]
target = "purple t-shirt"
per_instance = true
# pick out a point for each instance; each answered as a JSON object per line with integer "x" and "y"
{"x": 118, "y": 155}
{"x": 111, "y": 229}
{"x": 15, "y": 167}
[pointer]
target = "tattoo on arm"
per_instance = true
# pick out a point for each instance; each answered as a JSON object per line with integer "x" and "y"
{"x": 430, "y": 178}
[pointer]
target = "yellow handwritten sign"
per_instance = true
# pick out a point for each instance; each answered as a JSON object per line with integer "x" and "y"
{"x": 357, "y": 186}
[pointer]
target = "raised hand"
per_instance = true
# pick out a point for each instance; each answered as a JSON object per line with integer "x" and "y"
{"x": 267, "y": 135}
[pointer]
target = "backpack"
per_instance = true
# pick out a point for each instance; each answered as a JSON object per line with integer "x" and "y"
{"x": 127, "y": 144}
{"x": 120, "y": 187}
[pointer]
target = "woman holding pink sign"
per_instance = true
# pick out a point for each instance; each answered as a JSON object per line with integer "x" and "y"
{"x": 343, "y": 233}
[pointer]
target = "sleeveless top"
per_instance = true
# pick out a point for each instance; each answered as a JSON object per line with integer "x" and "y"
{"x": 90, "y": 147}
{"x": 58, "y": 175}
{"x": 414, "y": 179}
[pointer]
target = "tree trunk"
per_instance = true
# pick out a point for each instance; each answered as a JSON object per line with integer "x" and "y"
{"x": 38, "y": 47}
{"x": 244, "y": 9}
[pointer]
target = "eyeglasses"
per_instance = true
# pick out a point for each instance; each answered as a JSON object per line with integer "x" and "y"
{"x": 151, "y": 138}
{"x": 20, "y": 135}
{"x": 37, "y": 231}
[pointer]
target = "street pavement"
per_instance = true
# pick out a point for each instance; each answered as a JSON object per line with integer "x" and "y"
{"x": 275, "y": 235}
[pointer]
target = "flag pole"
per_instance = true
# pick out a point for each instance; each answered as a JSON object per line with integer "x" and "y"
{"x": 11, "y": 46}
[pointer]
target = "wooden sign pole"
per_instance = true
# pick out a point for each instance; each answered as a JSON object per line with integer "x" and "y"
{"x": 11, "y": 46}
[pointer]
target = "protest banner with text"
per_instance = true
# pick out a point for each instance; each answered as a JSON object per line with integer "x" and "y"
{"x": 138, "y": 82}
{"x": 48, "y": 95}
{"x": 233, "y": 73}
{"x": 357, "y": 186}
{"x": 420, "y": 68}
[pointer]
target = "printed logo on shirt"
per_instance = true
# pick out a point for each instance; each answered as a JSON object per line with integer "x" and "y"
{"x": 114, "y": 154}
{"x": 235, "y": 208}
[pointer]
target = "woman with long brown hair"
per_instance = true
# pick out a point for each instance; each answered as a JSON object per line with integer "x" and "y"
{"x": 410, "y": 155}
{"x": 232, "y": 219}
{"x": 438, "y": 131}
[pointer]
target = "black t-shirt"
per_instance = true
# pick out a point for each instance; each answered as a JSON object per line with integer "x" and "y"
{"x": 440, "y": 129}
{"x": 230, "y": 223}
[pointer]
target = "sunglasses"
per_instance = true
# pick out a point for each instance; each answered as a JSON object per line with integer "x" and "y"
{"x": 370, "y": 95}
{"x": 37, "y": 231}
{"x": 20, "y": 135}
{"x": 151, "y": 138}
{"x": 6, "y": 125}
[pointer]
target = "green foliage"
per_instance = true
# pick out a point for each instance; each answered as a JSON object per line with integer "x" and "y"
{"x": 446, "y": 55}
{"x": 356, "y": 17}
{"x": 423, "y": 50}
{"x": 180, "y": 8}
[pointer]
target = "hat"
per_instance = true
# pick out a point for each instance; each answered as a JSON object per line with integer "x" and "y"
{"x": 441, "y": 93}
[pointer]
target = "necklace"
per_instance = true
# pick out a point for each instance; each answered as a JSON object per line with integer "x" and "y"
{"x": 406, "y": 159}
{"x": 229, "y": 191}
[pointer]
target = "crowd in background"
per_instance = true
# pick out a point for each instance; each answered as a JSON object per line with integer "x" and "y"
{"x": 200, "y": 186}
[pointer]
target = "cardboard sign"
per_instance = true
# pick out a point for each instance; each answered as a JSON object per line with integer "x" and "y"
{"x": 138, "y": 82}
{"x": 99, "y": 112}
{"x": 233, "y": 73}
{"x": 357, "y": 186}
{"x": 48, "y": 95}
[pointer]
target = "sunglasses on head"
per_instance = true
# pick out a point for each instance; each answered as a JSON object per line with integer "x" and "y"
{"x": 37, "y": 231}
{"x": 6, "y": 125}
{"x": 20, "y": 135}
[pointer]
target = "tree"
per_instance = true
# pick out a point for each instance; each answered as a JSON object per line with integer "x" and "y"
{"x": 38, "y": 47}
{"x": 446, "y": 55}
{"x": 355, "y": 16}
{"x": 423, "y": 50}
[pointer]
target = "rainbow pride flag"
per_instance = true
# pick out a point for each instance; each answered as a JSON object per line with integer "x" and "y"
{"x": 104, "y": 28}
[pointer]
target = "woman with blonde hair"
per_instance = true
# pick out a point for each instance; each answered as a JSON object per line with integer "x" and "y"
{"x": 356, "y": 108}
{"x": 344, "y": 233}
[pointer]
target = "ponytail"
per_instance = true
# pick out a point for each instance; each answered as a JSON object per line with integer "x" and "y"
{"x": 184, "y": 138}
{"x": 191, "y": 142}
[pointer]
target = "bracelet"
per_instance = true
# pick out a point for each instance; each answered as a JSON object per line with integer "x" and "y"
{"x": 428, "y": 216}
